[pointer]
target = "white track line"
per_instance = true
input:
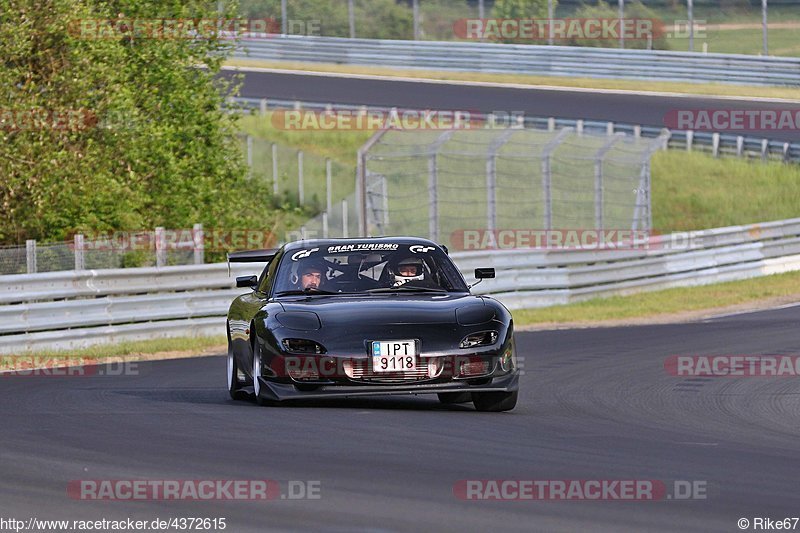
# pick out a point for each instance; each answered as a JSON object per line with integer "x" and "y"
{"x": 554, "y": 88}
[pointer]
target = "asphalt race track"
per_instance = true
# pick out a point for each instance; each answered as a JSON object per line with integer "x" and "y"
{"x": 595, "y": 404}
{"x": 647, "y": 110}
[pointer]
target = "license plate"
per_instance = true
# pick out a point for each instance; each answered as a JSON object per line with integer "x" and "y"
{"x": 394, "y": 356}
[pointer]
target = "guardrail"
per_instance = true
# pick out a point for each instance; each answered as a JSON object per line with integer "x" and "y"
{"x": 717, "y": 144}
{"x": 583, "y": 62}
{"x": 66, "y": 310}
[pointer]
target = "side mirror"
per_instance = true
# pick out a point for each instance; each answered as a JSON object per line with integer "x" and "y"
{"x": 247, "y": 281}
{"x": 484, "y": 273}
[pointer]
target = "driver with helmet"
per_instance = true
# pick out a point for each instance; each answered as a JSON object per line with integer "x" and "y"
{"x": 408, "y": 269}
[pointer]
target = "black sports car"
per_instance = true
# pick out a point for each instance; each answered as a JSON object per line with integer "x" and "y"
{"x": 369, "y": 316}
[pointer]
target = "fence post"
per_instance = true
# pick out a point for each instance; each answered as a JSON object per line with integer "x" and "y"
{"x": 300, "y": 186}
{"x": 433, "y": 184}
{"x": 30, "y": 256}
{"x": 491, "y": 179}
{"x": 199, "y": 245}
{"x": 328, "y": 185}
{"x": 599, "y": 199}
{"x": 325, "y": 225}
{"x": 80, "y": 260}
{"x": 351, "y": 16}
{"x": 249, "y": 156}
{"x": 274, "y": 169}
{"x": 621, "y": 16}
{"x": 161, "y": 247}
{"x": 345, "y": 232}
{"x": 547, "y": 176}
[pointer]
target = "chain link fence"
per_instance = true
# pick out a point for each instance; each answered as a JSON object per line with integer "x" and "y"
{"x": 441, "y": 184}
{"x": 116, "y": 249}
{"x": 297, "y": 177}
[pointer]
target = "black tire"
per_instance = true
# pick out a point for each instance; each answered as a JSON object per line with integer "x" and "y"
{"x": 234, "y": 385}
{"x": 494, "y": 401}
{"x": 448, "y": 398}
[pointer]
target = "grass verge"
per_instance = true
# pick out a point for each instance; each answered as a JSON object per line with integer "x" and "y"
{"x": 706, "y": 89}
{"x": 677, "y": 303}
{"x": 169, "y": 348}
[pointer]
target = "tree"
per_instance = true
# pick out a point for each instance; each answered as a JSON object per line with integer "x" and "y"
{"x": 147, "y": 143}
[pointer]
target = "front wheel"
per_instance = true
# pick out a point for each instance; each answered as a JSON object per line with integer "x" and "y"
{"x": 494, "y": 401}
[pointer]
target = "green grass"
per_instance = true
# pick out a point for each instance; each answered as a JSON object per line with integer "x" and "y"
{"x": 782, "y": 42}
{"x": 665, "y": 302}
{"x": 696, "y": 191}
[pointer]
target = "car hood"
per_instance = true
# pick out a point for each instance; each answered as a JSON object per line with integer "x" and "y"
{"x": 383, "y": 309}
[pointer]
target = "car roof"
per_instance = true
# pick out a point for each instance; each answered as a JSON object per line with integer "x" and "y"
{"x": 313, "y": 243}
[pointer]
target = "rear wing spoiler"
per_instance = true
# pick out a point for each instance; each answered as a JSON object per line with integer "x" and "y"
{"x": 251, "y": 256}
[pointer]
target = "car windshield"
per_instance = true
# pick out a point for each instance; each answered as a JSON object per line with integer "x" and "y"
{"x": 367, "y": 267}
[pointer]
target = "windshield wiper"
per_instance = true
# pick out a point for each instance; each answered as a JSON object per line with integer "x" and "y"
{"x": 406, "y": 289}
{"x": 305, "y": 292}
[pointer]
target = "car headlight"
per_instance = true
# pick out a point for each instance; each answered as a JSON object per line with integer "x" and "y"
{"x": 482, "y": 338}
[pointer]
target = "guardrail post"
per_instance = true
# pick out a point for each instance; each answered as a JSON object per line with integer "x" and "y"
{"x": 579, "y": 126}
{"x": 262, "y": 106}
{"x": 786, "y": 152}
{"x": 715, "y": 144}
{"x": 764, "y": 148}
{"x": 689, "y": 140}
{"x": 30, "y": 256}
{"x": 551, "y": 124}
{"x": 739, "y": 145}
{"x": 610, "y": 128}
{"x": 80, "y": 262}
{"x": 300, "y": 185}
{"x": 161, "y": 247}
{"x": 274, "y": 169}
{"x": 198, "y": 239}
{"x": 637, "y": 131}
{"x": 547, "y": 190}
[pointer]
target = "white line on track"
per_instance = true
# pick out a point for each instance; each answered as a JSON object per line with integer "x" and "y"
{"x": 554, "y": 88}
{"x": 750, "y": 311}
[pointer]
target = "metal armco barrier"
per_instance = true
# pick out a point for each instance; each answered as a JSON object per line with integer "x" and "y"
{"x": 580, "y": 62}
{"x": 66, "y": 310}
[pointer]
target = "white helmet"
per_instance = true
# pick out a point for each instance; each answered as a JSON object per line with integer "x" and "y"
{"x": 405, "y": 267}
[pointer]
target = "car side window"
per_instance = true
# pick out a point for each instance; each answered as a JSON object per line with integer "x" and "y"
{"x": 268, "y": 274}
